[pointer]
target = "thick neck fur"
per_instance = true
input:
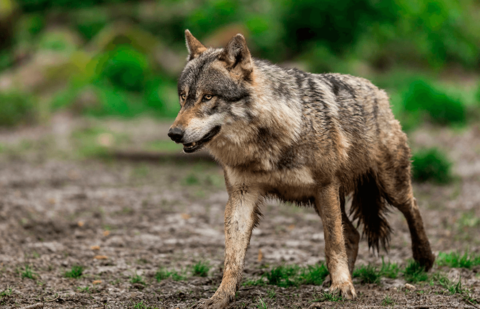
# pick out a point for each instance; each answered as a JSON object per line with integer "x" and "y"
{"x": 258, "y": 142}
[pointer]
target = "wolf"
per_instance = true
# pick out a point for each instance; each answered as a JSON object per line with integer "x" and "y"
{"x": 309, "y": 139}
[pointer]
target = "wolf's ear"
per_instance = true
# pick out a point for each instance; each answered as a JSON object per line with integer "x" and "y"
{"x": 195, "y": 48}
{"x": 237, "y": 56}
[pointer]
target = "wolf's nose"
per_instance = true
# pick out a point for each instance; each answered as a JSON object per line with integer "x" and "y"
{"x": 176, "y": 134}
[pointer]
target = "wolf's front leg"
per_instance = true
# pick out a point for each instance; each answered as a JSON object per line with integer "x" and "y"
{"x": 328, "y": 206}
{"x": 241, "y": 214}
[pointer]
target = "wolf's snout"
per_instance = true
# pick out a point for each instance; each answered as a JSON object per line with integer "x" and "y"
{"x": 176, "y": 134}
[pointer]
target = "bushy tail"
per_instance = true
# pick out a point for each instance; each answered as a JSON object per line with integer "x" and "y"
{"x": 369, "y": 207}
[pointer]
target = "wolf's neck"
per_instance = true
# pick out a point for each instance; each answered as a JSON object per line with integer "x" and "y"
{"x": 275, "y": 125}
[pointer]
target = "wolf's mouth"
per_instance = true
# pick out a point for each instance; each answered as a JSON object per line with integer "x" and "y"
{"x": 192, "y": 147}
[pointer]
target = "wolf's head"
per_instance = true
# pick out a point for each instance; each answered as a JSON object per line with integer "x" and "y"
{"x": 215, "y": 89}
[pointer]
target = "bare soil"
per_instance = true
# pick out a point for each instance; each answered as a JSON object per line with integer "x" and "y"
{"x": 55, "y": 207}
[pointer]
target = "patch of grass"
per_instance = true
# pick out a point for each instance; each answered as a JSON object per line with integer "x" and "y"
{"x": 141, "y": 305}
{"x": 423, "y": 98}
{"x": 191, "y": 180}
{"x": 456, "y": 260}
{"x": 272, "y": 294}
{"x": 261, "y": 304}
{"x": 201, "y": 269}
{"x": 292, "y": 275}
{"x": 368, "y": 274}
{"x": 75, "y": 273}
{"x": 28, "y": 273}
{"x": 387, "y": 301}
{"x": 431, "y": 165}
{"x": 414, "y": 272}
{"x": 455, "y": 288}
{"x": 85, "y": 289}
{"x": 137, "y": 279}
{"x": 283, "y": 276}
{"x": 255, "y": 282}
{"x": 6, "y": 293}
{"x": 327, "y": 296}
{"x": 163, "y": 274}
{"x": 468, "y": 220}
{"x": 390, "y": 270}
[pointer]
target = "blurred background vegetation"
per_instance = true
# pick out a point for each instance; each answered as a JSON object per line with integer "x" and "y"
{"x": 98, "y": 58}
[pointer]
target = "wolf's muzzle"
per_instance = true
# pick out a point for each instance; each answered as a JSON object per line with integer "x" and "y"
{"x": 176, "y": 134}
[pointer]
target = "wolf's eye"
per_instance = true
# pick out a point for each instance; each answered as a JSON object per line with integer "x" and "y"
{"x": 183, "y": 96}
{"x": 207, "y": 97}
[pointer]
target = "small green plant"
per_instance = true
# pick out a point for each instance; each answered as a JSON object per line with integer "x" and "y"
{"x": 431, "y": 165}
{"x": 414, "y": 272}
{"x": 261, "y": 304}
{"x": 6, "y": 293}
{"x": 387, "y": 301}
{"x": 28, "y": 273}
{"x": 313, "y": 274}
{"x": 272, "y": 294}
{"x": 254, "y": 282}
{"x": 141, "y": 305}
{"x": 368, "y": 274}
{"x": 283, "y": 276}
{"x": 457, "y": 260}
{"x": 137, "y": 279}
{"x": 85, "y": 289}
{"x": 327, "y": 296}
{"x": 389, "y": 270}
{"x": 201, "y": 269}
{"x": 191, "y": 180}
{"x": 162, "y": 274}
{"x": 75, "y": 273}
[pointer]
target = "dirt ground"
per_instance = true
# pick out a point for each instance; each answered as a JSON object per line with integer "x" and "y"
{"x": 56, "y": 204}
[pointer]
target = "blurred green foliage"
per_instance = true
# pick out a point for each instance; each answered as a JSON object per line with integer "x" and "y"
{"x": 423, "y": 98}
{"x": 431, "y": 165}
{"x": 123, "y": 57}
{"x": 16, "y": 108}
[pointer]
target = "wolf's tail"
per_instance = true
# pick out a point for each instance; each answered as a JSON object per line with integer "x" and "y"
{"x": 369, "y": 207}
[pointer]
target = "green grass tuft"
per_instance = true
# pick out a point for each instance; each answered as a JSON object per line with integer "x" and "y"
{"x": 313, "y": 274}
{"x": 261, "y": 304}
{"x": 163, "y": 274}
{"x": 456, "y": 260}
{"x": 6, "y": 293}
{"x": 137, "y": 279}
{"x": 283, "y": 276}
{"x": 414, "y": 272}
{"x": 390, "y": 270}
{"x": 201, "y": 269}
{"x": 387, "y": 301}
{"x": 368, "y": 274}
{"x": 431, "y": 165}
{"x": 28, "y": 273}
{"x": 75, "y": 273}
{"x": 191, "y": 180}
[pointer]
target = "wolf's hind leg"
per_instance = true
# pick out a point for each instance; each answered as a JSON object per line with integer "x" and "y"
{"x": 396, "y": 183}
{"x": 352, "y": 237}
{"x": 422, "y": 253}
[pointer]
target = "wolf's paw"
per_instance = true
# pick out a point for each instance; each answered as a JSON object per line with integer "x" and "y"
{"x": 213, "y": 303}
{"x": 346, "y": 289}
{"x": 424, "y": 256}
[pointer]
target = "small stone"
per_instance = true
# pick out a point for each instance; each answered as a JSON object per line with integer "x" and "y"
{"x": 409, "y": 287}
{"x": 106, "y": 233}
{"x": 97, "y": 281}
{"x": 81, "y": 223}
{"x": 100, "y": 257}
{"x": 95, "y": 247}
